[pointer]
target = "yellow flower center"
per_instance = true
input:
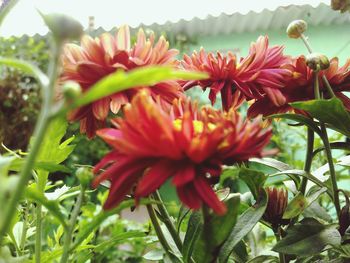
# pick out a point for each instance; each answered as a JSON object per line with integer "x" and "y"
{"x": 197, "y": 125}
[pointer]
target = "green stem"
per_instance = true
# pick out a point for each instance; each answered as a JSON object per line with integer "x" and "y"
{"x": 306, "y": 42}
{"x": 39, "y": 132}
{"x": 71, "y": 226}
{"x": 331, "y": 168}
{"x": 328, "y": 151}
{"x": 38, "y": 234}
{"x": 317, "y": 86}
{"x": 328, "y": 86}
{"x": 167, "y": 221}
{"x": 158, "y": 229}
{"x": 278, "y": 238}
{"x": 24, "y": 228}
{"x": 308, "y": 158}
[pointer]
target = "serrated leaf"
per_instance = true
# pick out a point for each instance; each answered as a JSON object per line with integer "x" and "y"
{"x": 100, "y": 217}
{"x": 331, "y": 111}
{"x": 307, "y": 238}
{"x": 245, "y": 223}
{"x": 52, "y": 150}
{"x": 33, "y": 194}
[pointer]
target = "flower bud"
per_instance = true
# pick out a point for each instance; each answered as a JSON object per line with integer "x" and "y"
{"x": 63, "y": 27}
{"x": 344, "y": 217}
{"x": 317, "y": 61}
{"x": 296, "y": 28}
{"x": 85, "y": 176}
{"x": 71, "y": 90}
{"x": 277, "y": 204}
{"x": 341, "y": 5}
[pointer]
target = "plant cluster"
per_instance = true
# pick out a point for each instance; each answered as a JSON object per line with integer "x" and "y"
{"x": 238, "y": 203}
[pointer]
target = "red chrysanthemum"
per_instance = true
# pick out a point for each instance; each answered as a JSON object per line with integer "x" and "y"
{"x": 99, "y": 57}
{"x": 260, "y": 73}
{"x": 301, "y": 87}
{"x": 151, "y": 145}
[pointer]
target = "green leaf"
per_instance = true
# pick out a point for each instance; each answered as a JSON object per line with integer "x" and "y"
{"x": 278, "y": 165}
{"x": 331, "y": 111}
{"x": 103, "y": 215}
{"x": 194, "y": 228}
{"x": 52, "y": 150}
{"x": 308, "y": 176}
{"x": 335, "y": 146}
{"x": 6, "y": 9}
{"x": 307, "y": 238}
{"x": 154, "y": 255}
{"x": 264, "y": 259}
{"x": 33, "y": 194}
{"x": 254, "y": 179}
{"x": 50, "y": 167}
{"x": 295, "y": 207}
{"x": 183, "y": 212}
{"x": 317, "y": 211}
{"x": 240, "y": 253}
{"x": 144, "y": 76}
{"x": 5, "y": 164}
{"x": 122, "y": 237}
{"x": 245, "y": 223}
{"x": 28, "y": 68}
{"x": 299, "y": 118}
{"x": 215, "y": 231}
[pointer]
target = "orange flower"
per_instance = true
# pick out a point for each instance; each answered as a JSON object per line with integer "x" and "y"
{"x": 262, "y": 72}
{"x": 187, "y": 145}
{"x": 99, "y": 57}
{"x": 301, "y": 87}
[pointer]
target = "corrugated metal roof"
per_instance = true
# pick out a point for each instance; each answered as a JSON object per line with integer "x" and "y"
{"x": 252, "y": 21}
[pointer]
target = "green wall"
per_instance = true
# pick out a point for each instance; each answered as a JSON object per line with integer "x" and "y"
{"x": 331, "y": 40}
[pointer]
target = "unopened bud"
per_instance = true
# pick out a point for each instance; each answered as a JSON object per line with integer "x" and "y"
{"x": 85, "y": 176}
{"x": 63, "y": 27}
{"x": 296, "y": 28}
{"x": 317, "y": 61}
{"x": 71, "y": 90}
{"x": 344, "y": 217}
{"x": 276, "y": 206}
{"x": 341, "y": 5}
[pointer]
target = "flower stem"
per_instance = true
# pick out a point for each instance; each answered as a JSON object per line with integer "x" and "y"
{"x": 328, "y": 151}
{"x": 278, "y": 238}
{"x": 331, "y": 168}
{"x": 71, "y": 226}
{"x": 38, "y": 234}
{"x": 158, "y": 229}
{"x": 167, "y": 220}
{"x": 308, "y": 158}
{"x": 306, "y": 42}
{"x": 24, "y": 228}
{"x": 328, "y": 86}
{"x": 39, "y": 132}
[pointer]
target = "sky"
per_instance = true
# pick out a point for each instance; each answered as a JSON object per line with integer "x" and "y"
{"x": 24, "y": 18}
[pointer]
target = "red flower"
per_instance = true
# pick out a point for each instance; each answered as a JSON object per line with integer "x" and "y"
{"x": 261, "y": 73}
{"x": 151, "y": 145}
{"x": 301, "y": 87}
{"x": 96, "y": 58}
